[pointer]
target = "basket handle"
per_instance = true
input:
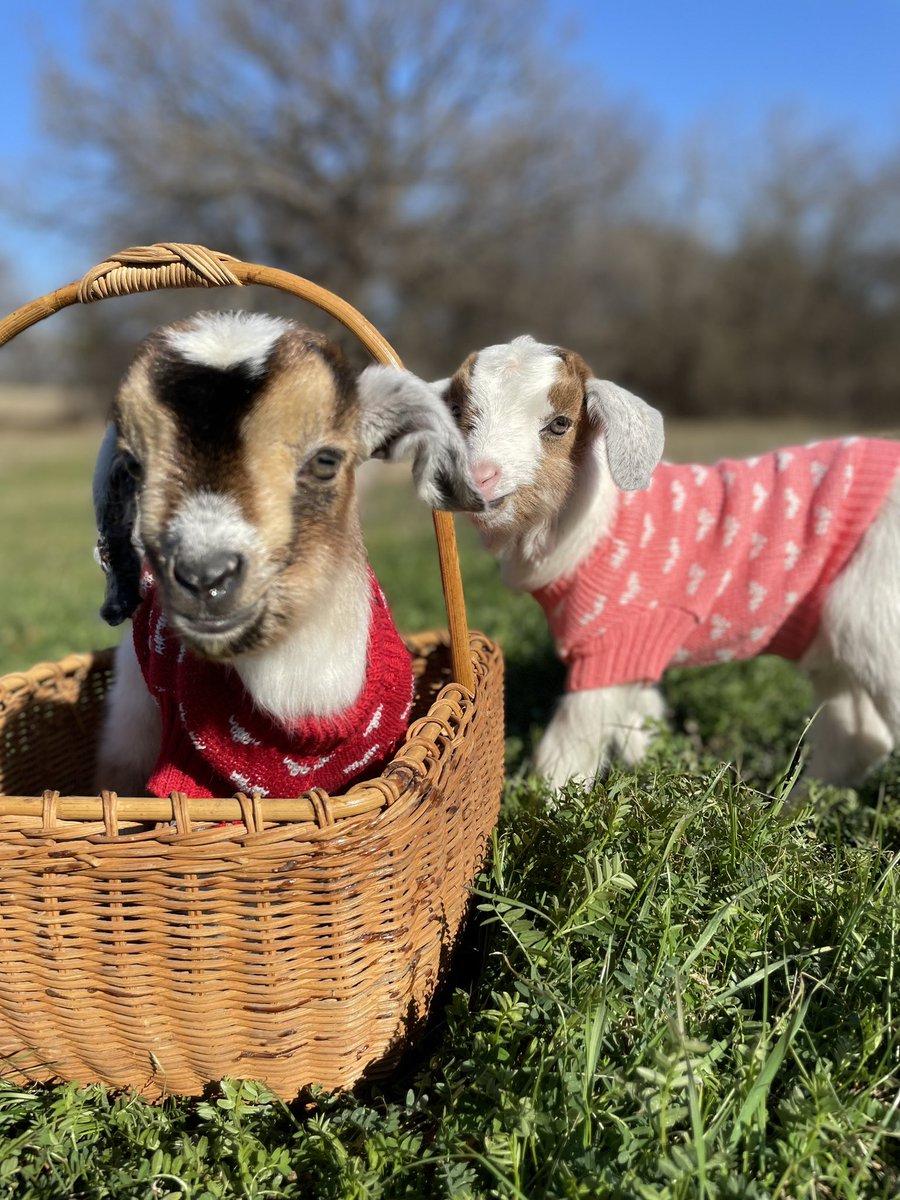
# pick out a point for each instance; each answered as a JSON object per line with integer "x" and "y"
{"x": 181, "y": 265}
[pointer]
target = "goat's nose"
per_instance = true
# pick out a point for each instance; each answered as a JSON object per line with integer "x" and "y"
{"x": 213, "y": 577}
{"x": 487, "y": 478}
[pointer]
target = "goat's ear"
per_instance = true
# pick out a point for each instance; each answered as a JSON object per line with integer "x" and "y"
{"x": 402, "y": 416}
{"x": 115, "y": 509}
{"x": 633, "y": 433}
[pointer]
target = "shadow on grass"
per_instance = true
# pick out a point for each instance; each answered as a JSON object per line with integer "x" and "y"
{"x": 533, "y": 683}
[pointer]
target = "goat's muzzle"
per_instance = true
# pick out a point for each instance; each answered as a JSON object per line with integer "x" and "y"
{"x": 205, "y": 599}
{"x": 211, "y": 581}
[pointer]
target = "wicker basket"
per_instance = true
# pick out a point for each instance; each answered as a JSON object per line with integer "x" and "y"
{"x": 301, "y": 944}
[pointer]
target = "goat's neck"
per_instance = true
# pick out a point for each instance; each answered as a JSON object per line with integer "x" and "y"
{"x": 319, "y": 668}
{"x": 546, "y": 552}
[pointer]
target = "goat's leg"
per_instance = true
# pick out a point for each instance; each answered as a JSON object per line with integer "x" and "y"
{"x": 860, "y": 632}
{"x": 848, "y": 735}
{"x": 130, "y": 738}
{"x": 588, "y": 728}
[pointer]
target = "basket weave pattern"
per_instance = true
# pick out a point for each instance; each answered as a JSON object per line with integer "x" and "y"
{"x": 291, "y": 952}
{"x": 161, "y": 944}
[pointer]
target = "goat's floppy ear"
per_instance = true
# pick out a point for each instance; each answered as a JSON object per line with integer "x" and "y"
{"x": 115, "y": 509}
{"x": 633, "y": 433}
{"x": 401, "y": 417}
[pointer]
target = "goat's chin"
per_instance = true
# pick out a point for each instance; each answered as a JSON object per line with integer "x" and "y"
{"x": 506, "y": 529}
{"x": 222, "y": 638}
{"x": 500, "y": 514}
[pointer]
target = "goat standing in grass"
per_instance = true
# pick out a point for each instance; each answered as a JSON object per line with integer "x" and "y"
{"x": 263, "y": 656}
{"x": 638, "y": 565}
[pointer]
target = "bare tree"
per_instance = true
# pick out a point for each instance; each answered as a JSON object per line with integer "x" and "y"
{"x": 787, "y": 300}
{"x": 807, "y": 319}
{"x": 419, "y": 158}
{"x": 442, "y": 165}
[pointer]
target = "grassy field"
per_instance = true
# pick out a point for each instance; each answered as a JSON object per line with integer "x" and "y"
{"x": 682, "y": 983}
{"x": 50, "y": 587}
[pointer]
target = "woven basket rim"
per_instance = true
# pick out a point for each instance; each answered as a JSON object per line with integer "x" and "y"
{"x": 426, "y": 742}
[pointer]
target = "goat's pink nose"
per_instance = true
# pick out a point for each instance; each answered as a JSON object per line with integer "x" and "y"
{"x": 487, "y": 478}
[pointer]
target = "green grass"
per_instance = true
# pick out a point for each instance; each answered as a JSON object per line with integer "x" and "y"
{"x": 682, "y": 983}
{"x": 50, "y": 587}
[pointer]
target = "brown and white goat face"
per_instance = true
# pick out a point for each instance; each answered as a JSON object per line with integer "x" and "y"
{"x": 521, "y": 410}
{"x": 241, "y": 433}
{"x": 534, "y": 418}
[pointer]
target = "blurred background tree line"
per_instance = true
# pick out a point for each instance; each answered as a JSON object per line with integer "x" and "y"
{"x": 440, "y": 165}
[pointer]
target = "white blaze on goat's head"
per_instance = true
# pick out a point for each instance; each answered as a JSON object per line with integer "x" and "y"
{"x": 533, "y": 417}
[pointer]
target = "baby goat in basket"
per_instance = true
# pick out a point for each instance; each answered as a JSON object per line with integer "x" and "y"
{"x": 639, "y": 565}
{"x": 263, "y": 656}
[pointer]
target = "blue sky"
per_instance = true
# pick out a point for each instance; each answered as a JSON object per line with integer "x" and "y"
{"x": 734, "y": 60}
{"x": 680, "y": 62}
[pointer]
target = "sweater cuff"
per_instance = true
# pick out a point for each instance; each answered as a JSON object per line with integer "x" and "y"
{"x": 637, "y": 650}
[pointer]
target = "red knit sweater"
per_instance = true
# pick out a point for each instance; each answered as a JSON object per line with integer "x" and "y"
{"x": 214, "y": 742}
{"x": 717, "y": 563}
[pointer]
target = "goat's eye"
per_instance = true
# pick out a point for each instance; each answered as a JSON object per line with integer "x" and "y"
{"x": 132, "y": 466}
{"x": 558, "y": 426}
{"x": 325, "y": 462}
{"x": 455, "y": 411}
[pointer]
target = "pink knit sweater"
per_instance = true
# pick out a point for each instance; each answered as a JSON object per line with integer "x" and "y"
{"x": 215, "y": 742}
{"x": 711, "y": 564}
